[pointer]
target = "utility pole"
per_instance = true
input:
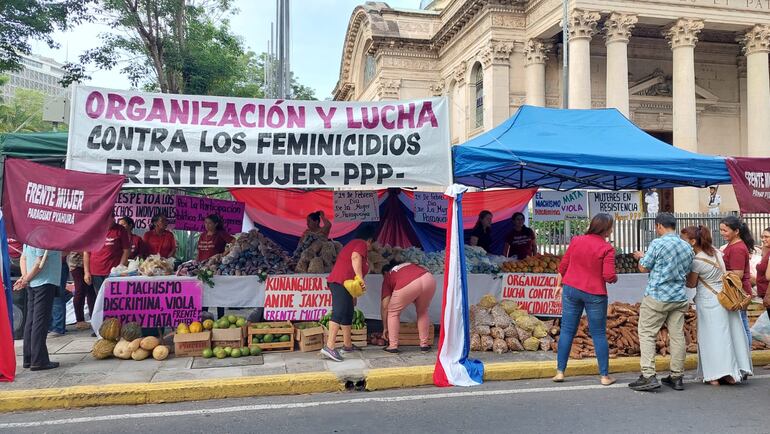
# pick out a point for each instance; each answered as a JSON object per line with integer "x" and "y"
{"x": 565, "y": 54}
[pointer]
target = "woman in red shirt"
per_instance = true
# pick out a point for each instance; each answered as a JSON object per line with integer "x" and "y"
{"x": 136, "y": 242}
{"x": 763, "y": 273}
{"x": 584, "y": 272}
{"x": 352, "y": 261}
{"x": 402, "y": 285}
{"x": 214, "y": 240}
{"x": 737, "y": 256}
{"x": 159, "y": 240}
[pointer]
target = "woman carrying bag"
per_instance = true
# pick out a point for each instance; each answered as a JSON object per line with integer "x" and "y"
{"x": 722, "y": 352}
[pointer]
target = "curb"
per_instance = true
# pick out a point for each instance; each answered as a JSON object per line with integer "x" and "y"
{"x": 298, "y": 384}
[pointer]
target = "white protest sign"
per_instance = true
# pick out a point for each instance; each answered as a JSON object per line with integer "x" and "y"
{"x": 142, "y": 207}
{"x": 430, "y": 207}
{"x": 552, "y": 206}
{"x": 356, "y": 206}
{"x": 622, "y": 205}
{"x": 534, "y": 293}
{"x": 205, "y": 141}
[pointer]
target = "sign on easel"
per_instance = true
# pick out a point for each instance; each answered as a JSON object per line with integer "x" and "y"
{"x": 430, "y": 207}
{"x": 356, "y": 206}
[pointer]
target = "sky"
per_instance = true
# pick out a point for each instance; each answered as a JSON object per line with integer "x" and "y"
{"x": 317, "y": 33}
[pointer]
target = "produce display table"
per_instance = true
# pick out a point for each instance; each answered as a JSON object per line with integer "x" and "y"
{"x": 249, "y": 292}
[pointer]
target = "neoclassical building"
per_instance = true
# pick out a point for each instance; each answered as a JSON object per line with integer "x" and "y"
{"x": 693, "y": 73}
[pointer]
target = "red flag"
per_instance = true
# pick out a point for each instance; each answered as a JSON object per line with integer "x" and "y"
{"x": 751, "y": 181}
{"x": 57, "y": 209}
{"x": 7, "y": 352}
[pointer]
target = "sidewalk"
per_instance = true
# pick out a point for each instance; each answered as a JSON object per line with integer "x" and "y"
{"x": 79, "y": 368}
{"x": 82, "y": 381}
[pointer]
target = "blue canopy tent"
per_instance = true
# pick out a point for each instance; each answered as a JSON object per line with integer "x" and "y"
{"x": 579, "y": 149}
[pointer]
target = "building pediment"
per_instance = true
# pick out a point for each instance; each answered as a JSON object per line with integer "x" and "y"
{"x": 660, "y": 85}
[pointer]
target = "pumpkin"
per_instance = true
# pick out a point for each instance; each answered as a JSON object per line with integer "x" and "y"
{"x": 149, "y": 343}
{"x": 140, "y": 354}
{"x": 121, "y": 350}
{"x": 103, "y": 349}
{"x": 110, "y": 329}
{"x": 134, "y": 345}
{"x": 160, "y": 352}
{"x": 130, "y": 331}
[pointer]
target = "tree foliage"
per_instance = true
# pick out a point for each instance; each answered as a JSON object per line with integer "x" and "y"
{"x": 177, "y": 46}
{"x": 24, "y": 112}
{"x": 24, "y": 20}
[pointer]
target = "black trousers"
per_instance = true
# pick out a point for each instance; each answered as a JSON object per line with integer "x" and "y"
{"x": 39, "y": 308}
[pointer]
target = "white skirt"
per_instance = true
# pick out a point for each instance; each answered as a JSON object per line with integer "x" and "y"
{"x": 722, "y": 346}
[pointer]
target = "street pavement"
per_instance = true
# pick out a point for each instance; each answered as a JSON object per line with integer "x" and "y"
{"x": 579, "y": 405}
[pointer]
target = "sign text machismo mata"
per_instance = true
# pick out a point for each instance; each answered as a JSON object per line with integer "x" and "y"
{"x": 202, "y": 141}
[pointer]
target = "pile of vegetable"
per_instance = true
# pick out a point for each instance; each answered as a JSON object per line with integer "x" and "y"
{"x": 316, "y": 254}
{"x": 221, "y": 353}
{"x": 359, "y": 321}
{"x": 546, "y": 263}
{"x": 503, "y": 327}
{"x": 622, "y": 325}
{"x": 251, "y": 254}
{"x": 155, "y": 265}
{"x": 126, "y": 342}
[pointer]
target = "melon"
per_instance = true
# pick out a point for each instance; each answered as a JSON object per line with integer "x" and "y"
{"x": 103, "y": 349}
{"x": 149, "y": 343}
{"x": 160, "y": 352}
{"x": 140, "y": 354}
{"x": 134, "y": 345}
{"x": 131, "y": 331}
{"x": 110, "y": 329}
{"x": 121, "y": 350}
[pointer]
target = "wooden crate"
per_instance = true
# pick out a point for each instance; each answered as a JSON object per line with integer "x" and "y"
{"x": 232, "y": 338}
{"x": 274, "y": 329}
{"x": 359, "y": 337}
{"x": 309, "y": 339}
{"x": 409, "y": 336}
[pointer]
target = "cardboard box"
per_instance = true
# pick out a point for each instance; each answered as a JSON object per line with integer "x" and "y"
{"x": 310, "y": 339}
{"x": 232, "y": 338}
{"x": 191, "y": 344}
{"x": 274, "y": 328}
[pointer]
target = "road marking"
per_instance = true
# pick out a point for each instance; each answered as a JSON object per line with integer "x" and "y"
{"x": 295, "y": 405}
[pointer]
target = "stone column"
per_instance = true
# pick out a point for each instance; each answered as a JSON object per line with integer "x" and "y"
{"x": 682, "y": 36}
{"x": 617, "y": 33}
{"x": 536, "y": 52}
{"x": 496, "y": 61}
{"x": 756, "y": 45}
{"x": 460, "y": 107}
{"x": 582, "y": 27}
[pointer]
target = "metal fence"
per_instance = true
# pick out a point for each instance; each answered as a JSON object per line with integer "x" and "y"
{"x": 635, "y": 235}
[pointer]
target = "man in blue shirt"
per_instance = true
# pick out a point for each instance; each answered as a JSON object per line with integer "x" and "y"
{"x": 668, "y": 261}
{"x": 41, "y": 272}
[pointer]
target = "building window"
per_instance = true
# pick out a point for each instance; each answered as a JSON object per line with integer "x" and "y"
{"x": 478, "y": 93}
{"x": 370, "y": 69}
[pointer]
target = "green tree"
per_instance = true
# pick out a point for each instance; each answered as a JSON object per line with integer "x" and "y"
{"x": 173, "y": 46}
{"x": 25, "y": 20}
{"x": 24, "y": 112}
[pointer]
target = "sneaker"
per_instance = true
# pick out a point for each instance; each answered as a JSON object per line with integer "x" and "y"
{"x": 55, "y": 334}
{"x": 331, "y": 354}
{"x": 644, "y": 384}
{"x": 82, "y": 325}
{"x": 352, "y": 348}
{"x": 391, "y": 350}
{"x": 673, "y": 382}
{"x": 425, "y": 349}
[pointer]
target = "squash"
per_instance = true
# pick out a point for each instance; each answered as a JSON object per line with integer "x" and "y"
{"x": 121, "y": 350}
{"x": 103, "y": 349}
{"x": 131, "y": 331}
{"x": 110, "y": 329}
{"x": 149, "y": 343}
{"x": 134, "y": 345}
{"x": 196, "y": 327}
{"x": 160, "y": 352}
{"x": 140, "y": 354}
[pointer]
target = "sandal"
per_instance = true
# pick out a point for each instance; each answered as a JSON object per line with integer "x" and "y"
{"x": 425, "y": 349}
{"x": 391, "y": 350}
{"x": 558, "y": 378}
{"x": 607, "y": 381}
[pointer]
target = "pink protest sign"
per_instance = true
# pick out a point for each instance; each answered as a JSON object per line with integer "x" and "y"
{"x": 191, "y": 211}
{"x": 153, "y": 302}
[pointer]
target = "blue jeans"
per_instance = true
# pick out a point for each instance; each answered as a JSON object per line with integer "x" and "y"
{"x": 745, "y": 319}
{"x": 573, "y": 302}
{"x": 59, "y": 310}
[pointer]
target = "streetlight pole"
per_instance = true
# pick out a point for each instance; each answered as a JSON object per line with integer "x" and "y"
{"x": 565, "y": 54}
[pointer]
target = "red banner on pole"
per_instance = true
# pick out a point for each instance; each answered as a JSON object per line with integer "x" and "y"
{"x": 57, "y": 209}
{"x": 751, "y": 181}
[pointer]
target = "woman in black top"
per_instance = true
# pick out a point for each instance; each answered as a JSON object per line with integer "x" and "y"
{"x": 481, "y": 235}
